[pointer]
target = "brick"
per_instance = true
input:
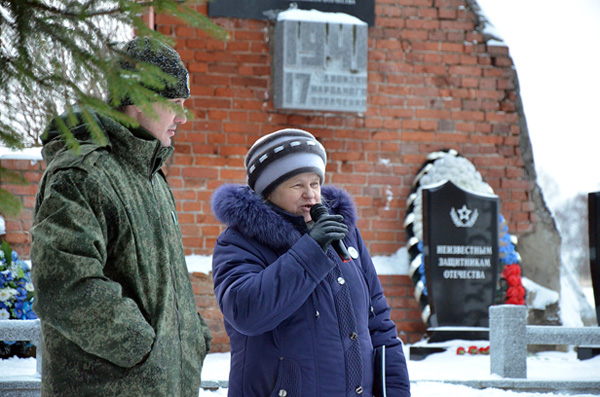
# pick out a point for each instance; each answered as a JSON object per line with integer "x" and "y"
{"x": 422, "y": 24}
{"x": 17, "y": 238}
{"x": 425, "y": 125}
{"x": 457, "y": 25}
{"x": 463, "y": 70}
{"x": 452, "y": 47}
{"x": 182, "y": 31}
{"x": 237, "y": 175}
{"x": 417, "y": 136}
{"x": 447, "y": 13}
{"x": 432, "y": 83}
{"x": 199, "y": 172}
{"x": 468, "y": 116}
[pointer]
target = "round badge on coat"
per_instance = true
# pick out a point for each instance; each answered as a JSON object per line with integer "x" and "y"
{"x": 353, "y": 252}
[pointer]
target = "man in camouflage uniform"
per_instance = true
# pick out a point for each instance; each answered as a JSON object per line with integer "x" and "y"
{"x": 112, "y": 288}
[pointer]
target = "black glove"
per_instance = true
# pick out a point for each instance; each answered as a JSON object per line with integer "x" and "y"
{"x": 328, "y": 229}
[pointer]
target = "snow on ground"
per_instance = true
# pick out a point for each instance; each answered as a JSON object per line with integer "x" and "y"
{"x": 427, "y": 376}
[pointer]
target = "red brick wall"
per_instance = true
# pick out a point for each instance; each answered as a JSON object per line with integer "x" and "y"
{"x": 398, "y": 289}
{"x": 433, "y": 83}
{"x": 17, "y": 228}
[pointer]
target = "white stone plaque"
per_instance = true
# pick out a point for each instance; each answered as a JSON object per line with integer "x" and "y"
{"x": 320, "y": 61}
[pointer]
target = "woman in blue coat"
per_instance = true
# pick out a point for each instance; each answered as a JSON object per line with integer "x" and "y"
{"x": 301, "y": 321}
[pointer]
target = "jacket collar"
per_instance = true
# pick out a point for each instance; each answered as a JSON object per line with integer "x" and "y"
{"x": 237, "y": 206}
{"x": 136, "y": 147}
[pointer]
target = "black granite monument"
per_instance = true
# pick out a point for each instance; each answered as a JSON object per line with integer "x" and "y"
{"x": 585, "y": 352}
{"x": 594, "y": 234}
{"x": 460, "y": 251}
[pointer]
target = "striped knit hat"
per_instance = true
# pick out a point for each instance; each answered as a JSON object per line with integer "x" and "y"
{"x": 281, "y": 155}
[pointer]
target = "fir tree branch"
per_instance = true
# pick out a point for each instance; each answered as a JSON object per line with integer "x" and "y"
{"x": 59, "y": 54}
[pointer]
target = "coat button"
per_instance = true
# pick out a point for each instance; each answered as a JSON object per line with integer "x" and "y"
{"x": 341, "y": 280}
{"x": 359, "y": 390}
{"x": 353, "y": 336}
{"x": 282, "y": 393}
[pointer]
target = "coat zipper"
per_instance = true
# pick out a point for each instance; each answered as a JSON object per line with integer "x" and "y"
{"x": 153, "y": 170}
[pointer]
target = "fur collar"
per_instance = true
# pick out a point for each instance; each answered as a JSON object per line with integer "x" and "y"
{"x": 239, "y": 207}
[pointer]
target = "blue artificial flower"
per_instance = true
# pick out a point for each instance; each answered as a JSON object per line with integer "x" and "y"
{"x": 421, "y": 270}
{"x": 29, "y": 314}
{"x": 22, "y": 283}
{"x": 16, "y": 289}
{"x": 7, "y": 276}
{"x": 20, "y": 310}
{"x": 509, "y": 253}
{"x": 21, "y": 294}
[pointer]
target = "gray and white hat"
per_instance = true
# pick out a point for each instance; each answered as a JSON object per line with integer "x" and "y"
{"x": 280, "y": 155}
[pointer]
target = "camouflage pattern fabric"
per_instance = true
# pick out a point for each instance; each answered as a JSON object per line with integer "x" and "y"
{"x": 112, "y": 287}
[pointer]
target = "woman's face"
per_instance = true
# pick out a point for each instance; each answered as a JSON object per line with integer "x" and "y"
{"x": 298, "y": 194}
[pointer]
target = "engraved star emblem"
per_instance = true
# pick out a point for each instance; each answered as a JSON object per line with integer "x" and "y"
{"x": 464, "y": 213}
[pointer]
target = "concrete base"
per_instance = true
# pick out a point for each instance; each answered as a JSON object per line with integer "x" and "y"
{"x": 564, "y": 387}
{"x": 30, "y": 386}
{"x": 587, "y": 352}
{"x": 20, "y": 386}
{"x": 418, "y": 353}
{"x": 444, "y": 334}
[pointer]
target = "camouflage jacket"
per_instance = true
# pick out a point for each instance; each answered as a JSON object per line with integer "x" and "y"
{"x": 112, "y": 287}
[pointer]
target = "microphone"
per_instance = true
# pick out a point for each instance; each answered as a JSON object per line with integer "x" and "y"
{"x": 316, "y": 212}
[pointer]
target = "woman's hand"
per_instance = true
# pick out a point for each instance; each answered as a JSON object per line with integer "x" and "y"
{"x": 327, "y": 229}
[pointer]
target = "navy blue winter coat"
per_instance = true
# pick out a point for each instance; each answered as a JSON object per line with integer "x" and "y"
{"x": 300, "y": 322}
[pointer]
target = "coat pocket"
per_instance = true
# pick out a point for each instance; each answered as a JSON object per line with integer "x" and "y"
{"x": 288, "y": 380}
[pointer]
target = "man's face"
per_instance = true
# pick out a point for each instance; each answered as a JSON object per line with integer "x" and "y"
{"x": 298, "y": 194}
{"x": 163, "y": 123}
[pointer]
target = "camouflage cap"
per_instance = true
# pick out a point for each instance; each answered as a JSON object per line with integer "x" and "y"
{"x": 157, "y": 53}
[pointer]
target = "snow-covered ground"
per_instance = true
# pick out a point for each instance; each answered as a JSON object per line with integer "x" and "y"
{"x": 427, "y": 376}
